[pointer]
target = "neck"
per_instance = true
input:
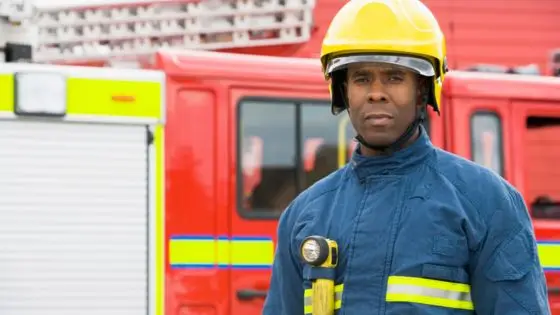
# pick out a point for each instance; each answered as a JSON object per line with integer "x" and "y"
{"x": 370, "y": 152}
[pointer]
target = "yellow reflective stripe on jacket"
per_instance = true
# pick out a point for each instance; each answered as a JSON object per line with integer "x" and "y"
{"x": 308, "y": 299}
{"x": 429, "y": 292}
{"x": 338, "y": 296}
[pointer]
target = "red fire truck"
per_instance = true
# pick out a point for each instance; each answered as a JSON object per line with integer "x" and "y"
{"x": 245, "y": 134}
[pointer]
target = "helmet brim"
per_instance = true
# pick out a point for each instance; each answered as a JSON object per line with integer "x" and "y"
{"x": 415, "y": 64}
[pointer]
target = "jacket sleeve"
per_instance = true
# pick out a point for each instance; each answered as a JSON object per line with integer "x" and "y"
{"x": 507, "y": 277}
{"x": 285, "y": 295}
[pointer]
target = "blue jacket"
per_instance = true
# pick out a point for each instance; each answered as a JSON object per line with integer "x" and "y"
{"x": 422, "y": 231}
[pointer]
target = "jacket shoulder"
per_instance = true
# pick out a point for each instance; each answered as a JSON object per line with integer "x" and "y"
{"x": 482, "y": 187}
{"x": 321, "y": 188}
{"x": 326, "y": 184}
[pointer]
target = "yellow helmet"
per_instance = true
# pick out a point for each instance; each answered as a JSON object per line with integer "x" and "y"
{"x": 401, "y": 32}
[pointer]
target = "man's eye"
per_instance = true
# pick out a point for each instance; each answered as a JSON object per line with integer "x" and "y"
{"x": 361, "y": 80}
{"x": 395, "y": 78}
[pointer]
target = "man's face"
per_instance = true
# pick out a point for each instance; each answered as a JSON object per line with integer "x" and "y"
{"x": 382, "y": 101}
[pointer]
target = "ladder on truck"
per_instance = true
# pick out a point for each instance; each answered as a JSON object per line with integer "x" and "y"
{"x": 129, "y": 29}
{"x": 17, "y": 33}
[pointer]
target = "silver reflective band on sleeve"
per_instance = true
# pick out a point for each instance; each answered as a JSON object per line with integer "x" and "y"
{"x": 419, "y": 65}
{"x": 429, "y": 292}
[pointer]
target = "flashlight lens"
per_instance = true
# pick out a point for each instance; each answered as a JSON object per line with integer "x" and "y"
{"x": 311, "y": 250}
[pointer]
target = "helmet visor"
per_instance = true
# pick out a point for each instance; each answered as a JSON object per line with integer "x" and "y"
{"x": 415, "y": 64}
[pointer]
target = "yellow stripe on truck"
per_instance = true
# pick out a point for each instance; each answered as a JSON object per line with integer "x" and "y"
{"x": 106, "y": 97}
{"x": 205, "y": 251}
{"x": 549, "y": 254}
{"x": 6, "y": 92}
{"x": 159, "y": 142}
{"x": 251, "y": 252}
{"x": 139, "y": 99}
{"x": 187, "y": 251}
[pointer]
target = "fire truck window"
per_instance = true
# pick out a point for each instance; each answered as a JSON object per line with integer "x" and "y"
{"x": 319, "y": 138}
{"x": 267, "y": 166}
{"x": 486, "y": 141}
{"x": 541, "y": 151}
{"x": 251, "y": 163}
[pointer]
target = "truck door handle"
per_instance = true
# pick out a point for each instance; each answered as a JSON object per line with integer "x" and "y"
{"x": 250, "y": 294}
{"x": 554, "y": 290}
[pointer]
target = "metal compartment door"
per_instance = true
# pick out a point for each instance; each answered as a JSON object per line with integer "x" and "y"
{"x": 73, "y": 218}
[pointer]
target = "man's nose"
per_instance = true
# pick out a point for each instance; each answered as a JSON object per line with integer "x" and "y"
{"x": 377, "y": 92}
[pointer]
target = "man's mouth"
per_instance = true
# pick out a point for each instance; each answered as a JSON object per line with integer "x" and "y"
{"x": 379, "y": 119}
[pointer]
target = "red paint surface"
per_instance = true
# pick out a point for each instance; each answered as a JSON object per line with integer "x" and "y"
{"x": 202, "y": 93}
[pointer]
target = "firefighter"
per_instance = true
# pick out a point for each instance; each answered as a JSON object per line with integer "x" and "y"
{"x": 418, "y": 230}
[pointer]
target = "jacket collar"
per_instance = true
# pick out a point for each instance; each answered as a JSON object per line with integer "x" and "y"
{"x": 400, "y": 162}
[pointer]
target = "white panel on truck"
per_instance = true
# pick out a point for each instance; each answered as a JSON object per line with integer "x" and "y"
{"x": 73, "y": 218}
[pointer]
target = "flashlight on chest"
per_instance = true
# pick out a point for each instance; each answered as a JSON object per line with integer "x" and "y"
{"x": 321, "y": 254}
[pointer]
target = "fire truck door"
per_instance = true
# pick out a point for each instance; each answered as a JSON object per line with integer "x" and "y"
{"x": 286, "y": 140}
{"x": 537, "y": 151}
